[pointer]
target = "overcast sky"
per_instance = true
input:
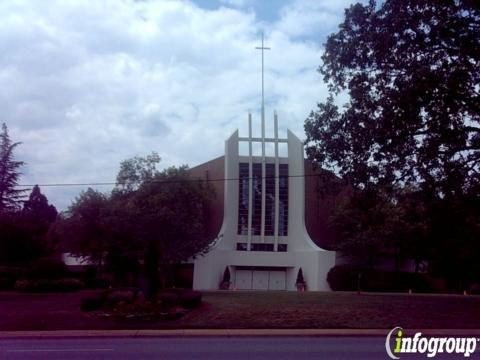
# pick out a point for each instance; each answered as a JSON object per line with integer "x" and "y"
{"x": 87, "y": 84}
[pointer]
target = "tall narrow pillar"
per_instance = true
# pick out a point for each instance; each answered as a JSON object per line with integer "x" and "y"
{"x": 263, "y": 176}
{"x": 250, "y": 182}
{"x": 277, "y": 181}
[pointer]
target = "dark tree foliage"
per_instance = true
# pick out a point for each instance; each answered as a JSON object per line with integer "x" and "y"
{"x": 412, "y": 71}
{"x": 23, "y": 234}
{"x": 83, "y": 229}
{"x": 455, "y": 233}
{"x": 365, "y": 225}
{"x": 38, "y": 215}
{"x": 10, "y": 196}
{"x": 99, "y": 227}
{"x": 135, "y": 171}
{"x": 37, "y": 207}
{"x": 171, "y": 210}
{"x": 158, "y": 218}
{"x": 168, "y": 216}
{"x": 369, "y": 227}
{"x": 19, "y": 242}
{"x": 407, "y": 142}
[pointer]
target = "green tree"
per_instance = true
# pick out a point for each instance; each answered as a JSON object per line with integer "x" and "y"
{"x": 455, "y": 231}
{"x": 83, "y": 229}
{"x": 411, "y": 70}
{"x": 414, "y": 235}
{"x": 136, "y": 171}
{"x": 38, "y": 215}
{"x": 38, "y": 207}
{"x": 10, "y": 196}
{"x": 19, "y": 243}
{"x": 22, "y": 233}
{"x": 99, "y": 227}
{"x": 163, "y": 217}
{"x": 410, "y": 130}
{"x": 169, "y": 215}
{"x": 370, "y": 226}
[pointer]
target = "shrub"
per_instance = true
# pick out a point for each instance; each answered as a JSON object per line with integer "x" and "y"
{"x": 346, "y": 278}
{"x": 168, "y": 299}
{"x": 400, "y": 281}
{"x": 89, "y": 276}
{"x": 92, "y": 303}
{"x": 49, "y": 285}
{"x": 225, "y": 284}
{"x": 475, "y": 288}
{"x": 8, "y": 276}
{"x": 112, "y": 297}
{"x": 6, "y": 283}
{"x": 226, "y": 275}
{"x": 48, "y": 268}
{"x": 342, "y": 278}
{"x": 300, "y": 279}
{"x": 101, "y": 284}
{"x": 67, "y": 284}
{"x": 10, "y": 271}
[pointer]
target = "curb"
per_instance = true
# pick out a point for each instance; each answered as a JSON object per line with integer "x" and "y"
{"x": 226, "y": 333}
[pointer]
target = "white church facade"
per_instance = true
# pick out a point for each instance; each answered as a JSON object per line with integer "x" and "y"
{"x": 263, "y": 240}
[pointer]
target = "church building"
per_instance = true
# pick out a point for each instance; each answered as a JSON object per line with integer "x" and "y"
{"x": 263, "y": 238}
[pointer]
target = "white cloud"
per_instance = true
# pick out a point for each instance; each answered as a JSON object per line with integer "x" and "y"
{"x": 86, "y": 84}
{"x": 307, "y": 17}
{"x": 237, "y": 3}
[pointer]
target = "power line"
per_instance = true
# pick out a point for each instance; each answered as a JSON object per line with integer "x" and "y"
{"x": 165, "y": 181}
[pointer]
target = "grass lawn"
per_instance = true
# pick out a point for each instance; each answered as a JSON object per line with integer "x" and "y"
{"x": 334, "y": 310}
{"x": 236, "y": 309}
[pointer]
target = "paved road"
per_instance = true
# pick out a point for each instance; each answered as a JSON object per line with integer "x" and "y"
{"x": 250, "y": 348}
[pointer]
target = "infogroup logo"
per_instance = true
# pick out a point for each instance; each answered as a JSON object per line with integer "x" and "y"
{"x": 397, "y": 343}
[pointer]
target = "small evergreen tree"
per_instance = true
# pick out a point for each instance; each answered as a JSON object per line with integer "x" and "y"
{"x": 225, "y": 284}
{"x": 10, "y": 196}
{"x": 23, "y": 234}
{"x": 226, "y": 275}
{"x": 39, "y": 215}
{"x": 37, "y": 205}
{"x": 300, "y": 279}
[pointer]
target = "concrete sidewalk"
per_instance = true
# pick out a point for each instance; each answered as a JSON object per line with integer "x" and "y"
{"x": 228, "y": 333}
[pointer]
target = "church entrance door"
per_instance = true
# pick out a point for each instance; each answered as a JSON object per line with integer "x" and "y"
{"x": 260, "y": 280}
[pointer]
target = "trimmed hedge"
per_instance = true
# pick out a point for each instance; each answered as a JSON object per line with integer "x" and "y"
{"x": 48, "y": 268}
{"x": 342, "y": 278}
{"x": 92, "y": 303}
{"x": 108, "y": 299}
{"x": 113, "y": 297}
{"x": 49, "y": 285}
{"x": 7, "y": 283}
{"x": 8, "y": 276}
{"x": 350, "y": 278}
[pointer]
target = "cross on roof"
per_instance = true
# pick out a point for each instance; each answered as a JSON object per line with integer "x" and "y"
{"x": 262, "y": 48}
